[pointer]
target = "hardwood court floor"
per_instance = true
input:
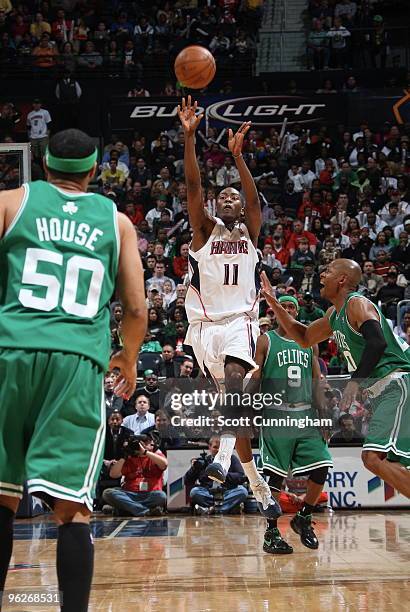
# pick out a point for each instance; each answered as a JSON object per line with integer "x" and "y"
{"x": 216, "y": 564}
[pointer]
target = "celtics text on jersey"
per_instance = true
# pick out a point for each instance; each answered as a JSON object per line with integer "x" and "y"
{"x": 288, "y": 370}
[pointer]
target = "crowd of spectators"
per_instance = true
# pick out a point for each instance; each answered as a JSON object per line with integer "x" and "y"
{"x": 324, "y": 195}
{"x": 349, "y": 34}
{"x": 123, "y": 38}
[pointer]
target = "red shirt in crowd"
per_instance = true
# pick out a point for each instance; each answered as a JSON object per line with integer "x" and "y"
{"x": 142, "y": 475}
{"x": 316, "y": 210}
{"x": 180, "y": 266}
{"x": 137, "y": 216}
{"x": 281, "y": 255}
{"x": 294, "y": 239}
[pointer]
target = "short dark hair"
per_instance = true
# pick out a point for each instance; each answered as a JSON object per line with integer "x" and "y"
{"x": 70, "y": 144}
{"x": 345, "y": 417}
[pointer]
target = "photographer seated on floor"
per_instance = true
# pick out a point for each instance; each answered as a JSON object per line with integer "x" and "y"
{"x": 115, "y": 436}
{"x": 142, "y": 468}
{"x": 206, "y": 494}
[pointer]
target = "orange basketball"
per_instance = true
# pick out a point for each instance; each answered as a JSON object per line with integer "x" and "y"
{"x": 195, "y": 67}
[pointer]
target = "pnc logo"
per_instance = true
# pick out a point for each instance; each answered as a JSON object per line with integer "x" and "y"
{"x": 376, "y": 483}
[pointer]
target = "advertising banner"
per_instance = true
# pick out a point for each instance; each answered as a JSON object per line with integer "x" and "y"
{"x": 154, "y": 114}
{"x": 349, "y": 484}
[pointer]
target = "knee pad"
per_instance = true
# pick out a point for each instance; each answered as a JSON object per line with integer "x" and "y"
{"x": 318, "y": 476}
{"x": 275, "y": 482}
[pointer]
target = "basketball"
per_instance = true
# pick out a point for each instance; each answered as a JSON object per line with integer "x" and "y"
{"x": 195, "y": 67}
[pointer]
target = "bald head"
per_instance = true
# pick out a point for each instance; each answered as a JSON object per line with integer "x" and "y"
{"x": 350, "y": 268}
{"x": 339, "y": 278}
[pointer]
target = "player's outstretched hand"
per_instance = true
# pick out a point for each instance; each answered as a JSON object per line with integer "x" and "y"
{"x": 268, "y": 292}
{"x": 235, "y": 141}
{"x": 127, "y": 378}
{"x": 188, "y": 117}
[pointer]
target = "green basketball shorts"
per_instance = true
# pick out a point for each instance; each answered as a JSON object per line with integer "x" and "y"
{"x": 291, "y": 447}
{"x": 389, "y": 426}
{"x": 52, "y": 424}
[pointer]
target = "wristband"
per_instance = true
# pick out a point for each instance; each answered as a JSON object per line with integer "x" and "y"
{"x": 236, "y": 156}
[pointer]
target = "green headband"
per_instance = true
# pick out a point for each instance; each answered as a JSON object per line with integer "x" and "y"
{"x": 289, "y": 298}
{"x": 71, "y": 166}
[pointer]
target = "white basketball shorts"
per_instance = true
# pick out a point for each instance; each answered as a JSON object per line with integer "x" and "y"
{"x": 213, "y": 341}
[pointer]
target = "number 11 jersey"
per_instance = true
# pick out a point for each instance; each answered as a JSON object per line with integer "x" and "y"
{"x": 58, "y": 265}
{"x": 224, "y": 279}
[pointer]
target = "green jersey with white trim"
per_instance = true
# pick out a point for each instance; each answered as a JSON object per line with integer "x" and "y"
{"x": 351, "y": 343}
{"x": 58, "y": 266}
{"x": 288, "y": 370}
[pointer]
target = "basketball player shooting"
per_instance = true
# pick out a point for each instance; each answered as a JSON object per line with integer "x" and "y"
{"x": 222, "y": 300}
{"x": 378, "y": 360}
{"x": 62, "y": 250}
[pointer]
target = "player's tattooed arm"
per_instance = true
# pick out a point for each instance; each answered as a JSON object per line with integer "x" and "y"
{"x": 202, "y": 225}
{"x": 252, "y": 209}
{"x": 305, "y": 336}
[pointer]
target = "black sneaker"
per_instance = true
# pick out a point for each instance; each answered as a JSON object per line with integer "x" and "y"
{"x": 274, "y": 544}
{"x": 156, "y": 511}
{"x": 303, "y": 526}
{"x": 215, "y": 471}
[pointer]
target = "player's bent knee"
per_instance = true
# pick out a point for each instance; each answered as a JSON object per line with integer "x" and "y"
{"x": 69, "y": 512}
{"x": 371, "y": 460}
{"x": 319, "y": 475}
{"x": 12, "y": 503}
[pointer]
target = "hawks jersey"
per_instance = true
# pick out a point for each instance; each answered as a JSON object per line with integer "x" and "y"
{"x": 223, "y": 276}
{"x": 288, "y": 370}
{"x": 351, "y": 343}
{"x": 58, "y": 265}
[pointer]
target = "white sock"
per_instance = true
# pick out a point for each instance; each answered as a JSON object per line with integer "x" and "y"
{"x": 224, "y": 455}
{"x": 252, "y": 473}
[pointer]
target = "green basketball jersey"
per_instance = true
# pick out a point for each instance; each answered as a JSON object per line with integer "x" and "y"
{"x": 288, "y": 370}
{"x": 351, "y": 343}
{"x": 58, "y": 265}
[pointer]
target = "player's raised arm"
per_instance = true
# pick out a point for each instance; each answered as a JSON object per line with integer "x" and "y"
{"x": 198, "y": 218}
{"x": 253, "y": 214}
{"x": 132, "y": 294}
{"x": 305, "y": 336}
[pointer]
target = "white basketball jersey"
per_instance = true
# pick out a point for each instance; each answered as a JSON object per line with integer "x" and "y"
{"x": 223, "y": 276}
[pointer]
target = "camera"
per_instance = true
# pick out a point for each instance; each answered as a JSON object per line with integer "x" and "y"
{"x": 201, "y": 462}
{"x": 131, "y": 446}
